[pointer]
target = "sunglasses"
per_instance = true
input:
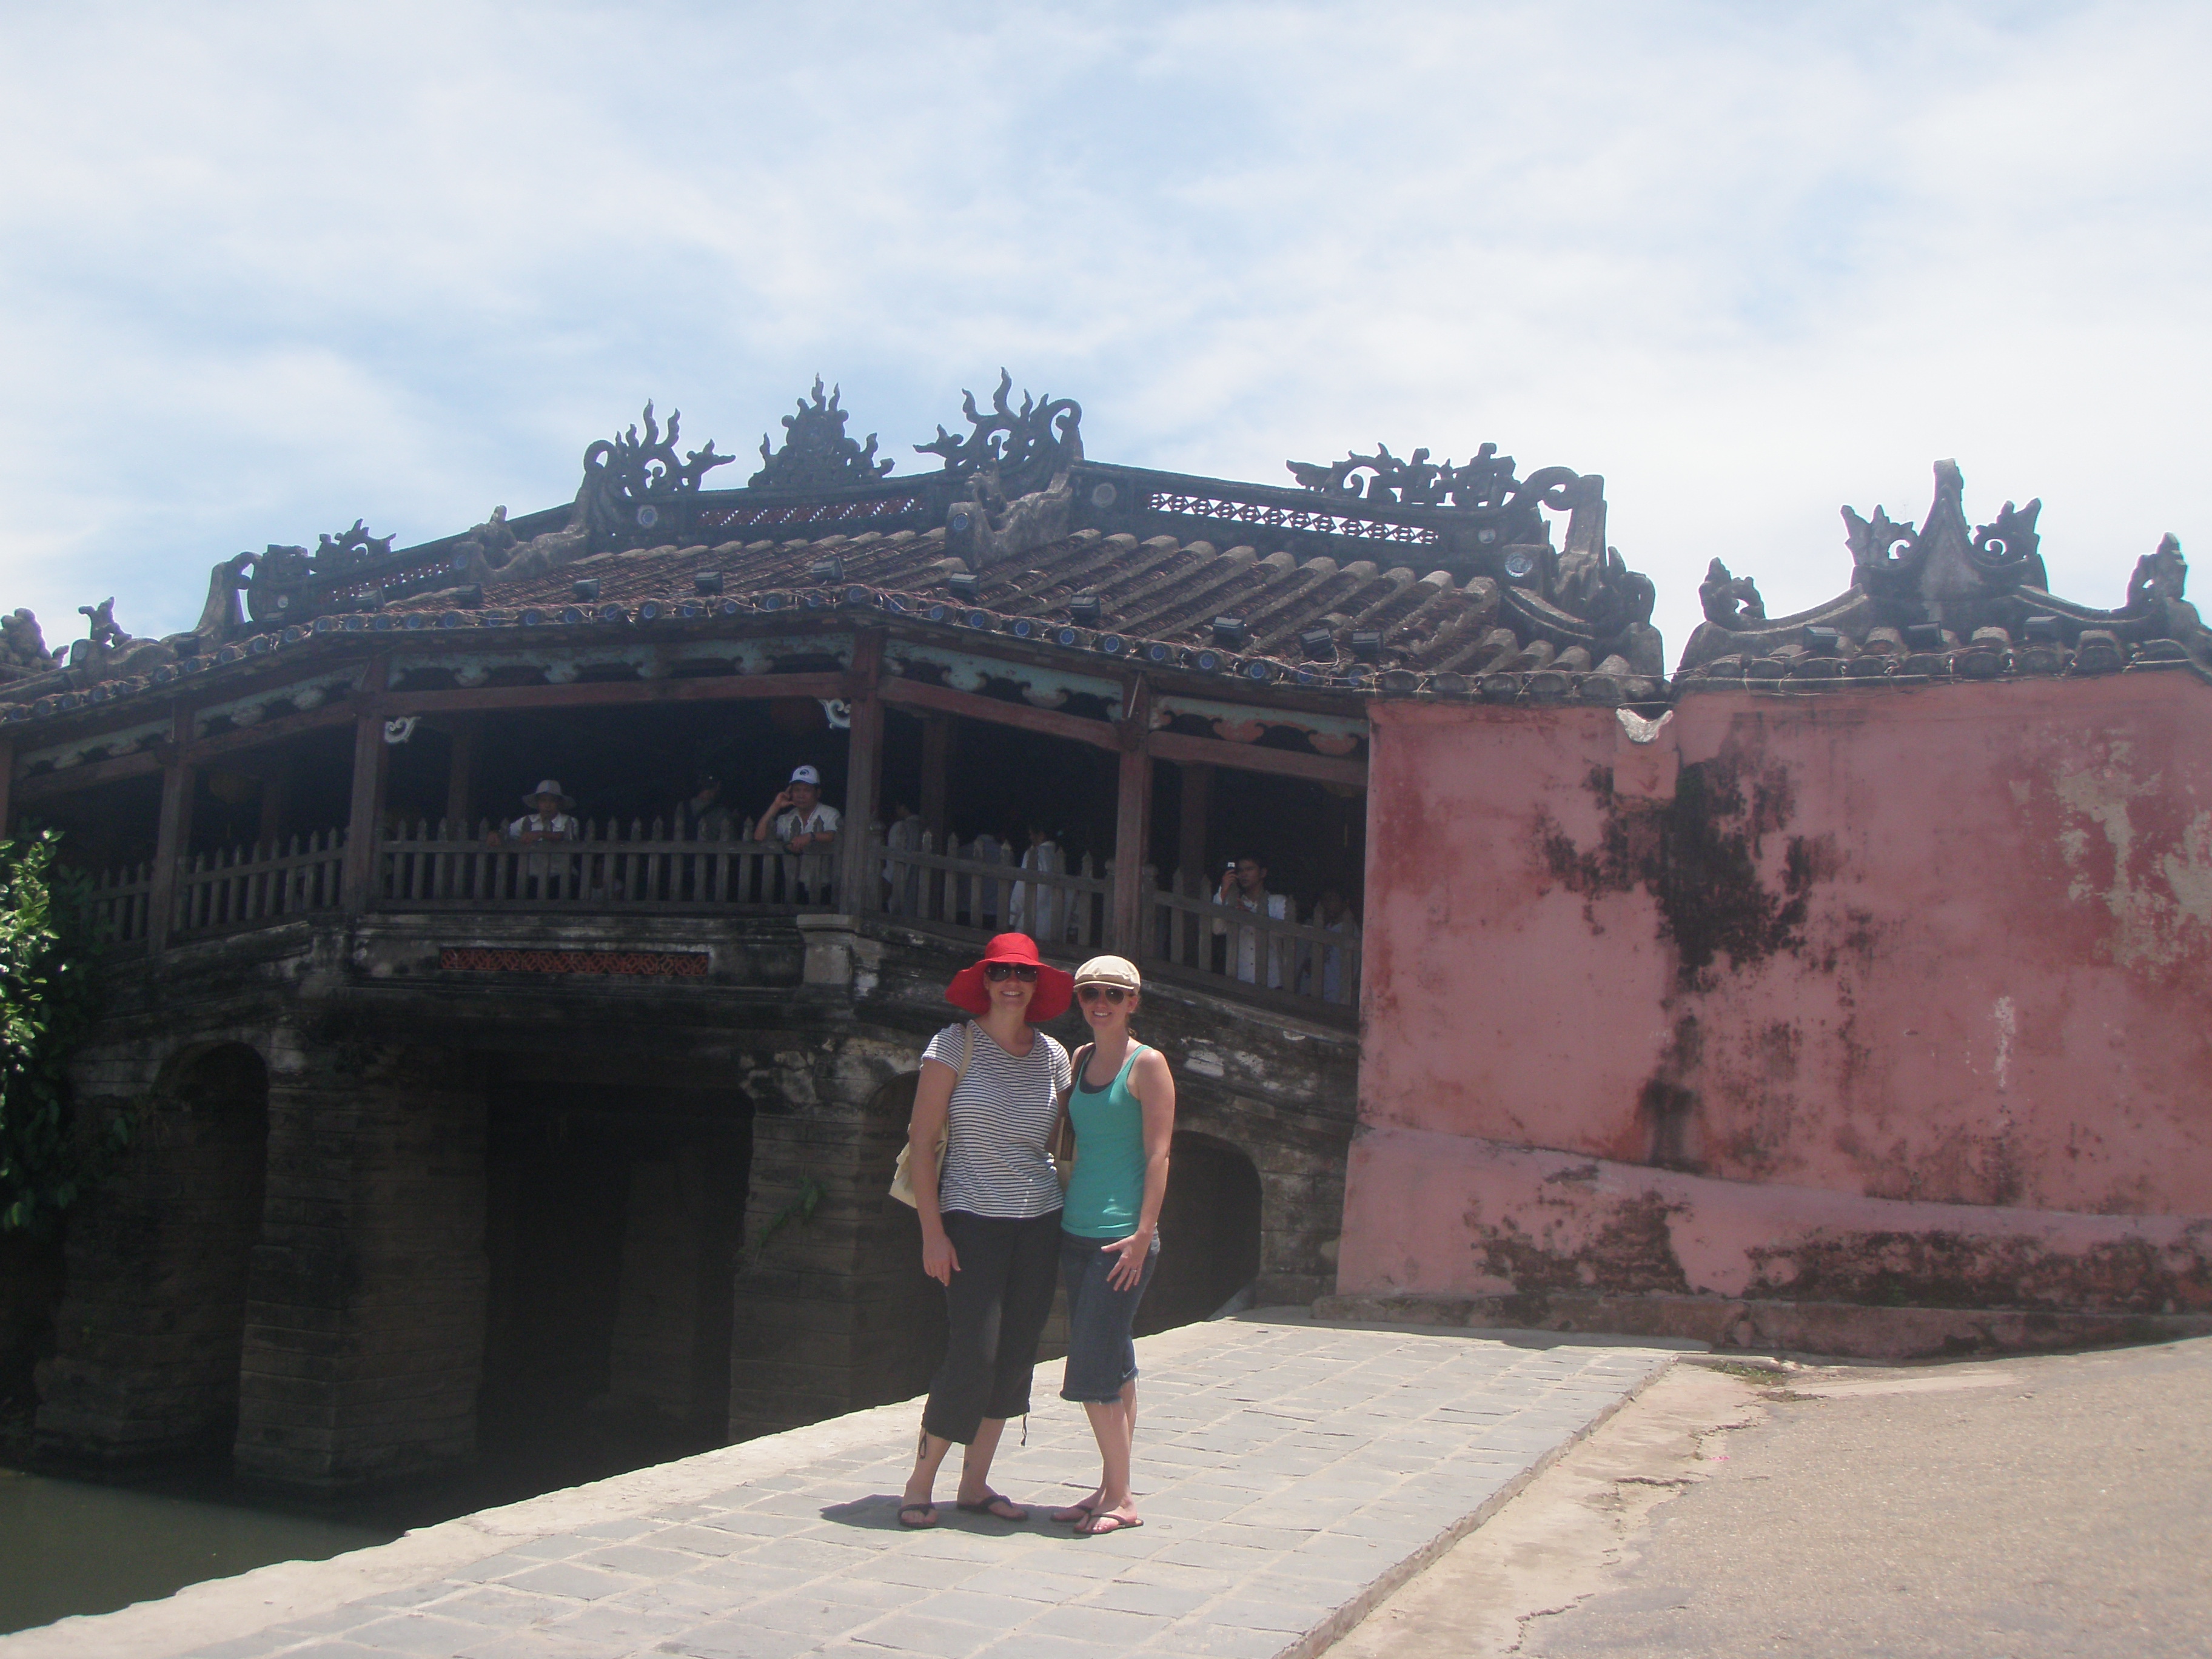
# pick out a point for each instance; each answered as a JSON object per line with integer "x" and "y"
{"x": 1113, "y": 993}
{"x": 996, "y": 971}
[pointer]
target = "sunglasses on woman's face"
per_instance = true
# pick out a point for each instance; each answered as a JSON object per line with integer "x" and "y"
{"x": 1113, "y": 993}
{"x": 996, "y": 971}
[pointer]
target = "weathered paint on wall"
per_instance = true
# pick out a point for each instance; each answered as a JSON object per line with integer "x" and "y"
{"x": 1945, "y": 948}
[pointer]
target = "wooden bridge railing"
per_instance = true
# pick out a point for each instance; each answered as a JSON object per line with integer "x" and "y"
{"x": 982, "y": 888}
{"x": 1235, "y": 947}
{"x": 973, "y": 890}
{"x": 248, "y": 886}
{"x": 611, "y": 867}
{"x": 122, "y": 905}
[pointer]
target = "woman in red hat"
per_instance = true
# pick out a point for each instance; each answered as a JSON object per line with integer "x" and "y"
{"x": 989, "y": 1094}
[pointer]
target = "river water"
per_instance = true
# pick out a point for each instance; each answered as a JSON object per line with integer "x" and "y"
{"x": 68, "y": 1546}
{"x": 75, "y": 1547}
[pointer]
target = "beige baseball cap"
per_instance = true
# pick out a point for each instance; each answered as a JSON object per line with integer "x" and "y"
{"x": 1110, "y": 970}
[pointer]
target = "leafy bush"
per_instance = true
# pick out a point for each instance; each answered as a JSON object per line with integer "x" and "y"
{"x": 49, "y": 998}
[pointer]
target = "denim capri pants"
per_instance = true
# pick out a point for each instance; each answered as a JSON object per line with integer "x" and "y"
{"x": 1100, "y": 1355}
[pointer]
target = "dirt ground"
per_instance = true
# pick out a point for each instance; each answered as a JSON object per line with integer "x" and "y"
{"x": 2057, "y": 1504}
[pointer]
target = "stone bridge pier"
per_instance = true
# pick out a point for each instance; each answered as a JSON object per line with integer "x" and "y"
{"x": 370, "y": 1219}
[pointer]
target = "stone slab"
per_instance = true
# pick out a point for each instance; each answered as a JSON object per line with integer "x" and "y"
{"x": 1292, "y": 1474}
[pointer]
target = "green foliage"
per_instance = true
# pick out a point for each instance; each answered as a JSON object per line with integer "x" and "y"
{"x": 801, "y": 1208}
{"x": 49, "y": 998}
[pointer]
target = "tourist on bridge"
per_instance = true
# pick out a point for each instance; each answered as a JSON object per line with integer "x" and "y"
{"x": 551, "y": 816}
{"x": 1121, "y": 1108}
{"x": 1244, "y": 887}
{"x": 989, "y": 1096}
{"x": 702, "y": 815}
{"x": 806, "y": 825}
{"x": 797, "y": 817}
{"x": 1033, "y": 908}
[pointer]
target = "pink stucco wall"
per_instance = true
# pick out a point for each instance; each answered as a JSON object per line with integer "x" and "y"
{"x": 1942, "y": 953}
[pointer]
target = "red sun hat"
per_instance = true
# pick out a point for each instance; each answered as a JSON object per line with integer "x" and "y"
{"x": 1055, "y": 987}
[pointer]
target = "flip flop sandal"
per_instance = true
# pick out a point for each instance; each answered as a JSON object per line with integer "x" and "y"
{"x": 1075, "y": 1513}
{"x": 1102, "y": 1526}
{"x": 927, "y": 1510}
{"x": 988, "y": 1504}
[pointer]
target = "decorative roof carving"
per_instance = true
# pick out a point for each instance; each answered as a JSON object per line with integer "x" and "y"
{"x": 1485, "y": 481}
{"x": 348, "y": 548}
{"x": 1971, "y": 591}
{"x": 22, "y": 646}
{"x": 1730, "y": 601}
{"x": 626, "y": 478}
{"x": 100, "y": 625}
{"x": 816, "y": 453}
{"x": 1027, "y": 448}
{"x": 1484, "y": 487}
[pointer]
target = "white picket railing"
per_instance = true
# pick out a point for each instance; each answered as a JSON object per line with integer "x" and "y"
{"x": 1234, "y": 946}
{"x": 609, "y": 866}
{"x": 981, "y": 888}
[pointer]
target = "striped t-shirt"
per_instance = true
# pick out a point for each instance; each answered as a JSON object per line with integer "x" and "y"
{"x": 996, "y": 1157}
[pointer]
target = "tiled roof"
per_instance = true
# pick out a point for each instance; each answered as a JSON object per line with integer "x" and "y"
{"x": 1156, "y": 592}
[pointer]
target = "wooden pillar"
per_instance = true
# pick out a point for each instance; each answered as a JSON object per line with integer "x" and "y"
{"x": 1190, "y": 851}
{"x": 461, "y": 779}
{"x": 365, "y": 816}
{"x": 173, "y": 831}
{"x": 863, "y": 766}
{"x": 1133, "y": 817}
{"x": 936, "y": 769}
{"x": 275, "y": 799}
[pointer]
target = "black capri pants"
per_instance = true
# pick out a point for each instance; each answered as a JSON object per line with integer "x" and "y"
{"x": 995, "y": 1309}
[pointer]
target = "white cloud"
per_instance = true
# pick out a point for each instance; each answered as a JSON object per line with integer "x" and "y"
{"x": 271, "y": 268}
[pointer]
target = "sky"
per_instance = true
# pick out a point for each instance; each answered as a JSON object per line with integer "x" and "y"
{"x": 264, "y": 269}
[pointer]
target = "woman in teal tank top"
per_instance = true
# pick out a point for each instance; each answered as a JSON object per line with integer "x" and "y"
{"x": 1121, "y": 1109}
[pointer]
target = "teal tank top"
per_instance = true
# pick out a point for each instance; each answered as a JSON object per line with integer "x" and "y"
{"x": 1107, "y": 1194}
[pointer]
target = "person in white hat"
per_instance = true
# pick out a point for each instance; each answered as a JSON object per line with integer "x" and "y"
{"x": 548, "y": 819}
{"x": 1119, "y": 1108}
{"x": 798, "y": 817}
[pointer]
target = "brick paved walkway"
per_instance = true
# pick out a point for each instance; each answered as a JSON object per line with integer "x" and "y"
{"x": 1288, "y": 1475}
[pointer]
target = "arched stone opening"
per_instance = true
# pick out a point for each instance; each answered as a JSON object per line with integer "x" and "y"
{"x": 150, "y": 1340}
{"x": 615, "y": 1207}
{"x": 1209, "y": 1234}
{"x": 218, "y": 1179}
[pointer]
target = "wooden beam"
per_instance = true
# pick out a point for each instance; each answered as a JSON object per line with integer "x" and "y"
{"x": 372, "y": 763}
{"x": 198, "y": 752}
{"x": 918, "y": 694}
{"x": 1132, "y": 819}
{"x": 1190, "y": 846}
{"x": 47, "y": 785}
{"x": 936, "y": 773}
{"x": 857, "y": 861}
{"x": 718, "y": 688}
{"x": 173, "y": 832}
{"x": 1255, "y": 758}
{"x": 337, "y": 711}
{"x": 461, "y": 776}
{"x": 276, "y": 798}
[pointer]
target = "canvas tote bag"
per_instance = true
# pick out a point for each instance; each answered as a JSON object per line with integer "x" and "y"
{"x": 902, "y": 1173}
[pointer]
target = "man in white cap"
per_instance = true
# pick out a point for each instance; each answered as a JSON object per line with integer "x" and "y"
{"x": 798, "y": 819}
